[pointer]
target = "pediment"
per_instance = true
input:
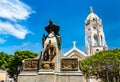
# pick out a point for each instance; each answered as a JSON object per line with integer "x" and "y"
{"x": 75, "y": 53}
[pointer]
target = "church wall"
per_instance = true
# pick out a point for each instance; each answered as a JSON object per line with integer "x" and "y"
{"x": 3, "y": 75}
{"x": 94, "y": 50}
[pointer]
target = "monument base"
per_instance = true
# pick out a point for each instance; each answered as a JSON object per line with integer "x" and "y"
{"x": 27, "y": 76}
{"x": 69, "y": 76}
{"x": 51, "y": 76}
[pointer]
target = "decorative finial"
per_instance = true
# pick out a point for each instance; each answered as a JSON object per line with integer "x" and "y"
{"x": 51, "y": 21}
{"x": 74, "y": 44}
{"x": 91, "y": 9}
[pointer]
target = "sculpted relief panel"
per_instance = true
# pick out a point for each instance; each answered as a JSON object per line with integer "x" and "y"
{"x": 69, "y": 64}
{"x": 30, "y": 65}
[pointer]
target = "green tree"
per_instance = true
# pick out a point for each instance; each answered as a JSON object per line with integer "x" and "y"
{"x": 3, "y": 60}
{"x": 104, "y": 65}
{"x": 15, "y": 62}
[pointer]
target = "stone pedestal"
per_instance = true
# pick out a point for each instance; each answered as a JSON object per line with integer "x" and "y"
{"x": 27, "y": 76}
{"x": 69, "y": 77}
{"x": 65, "y": 70}
{"x": 50, "y": 76}
{"x": 45, "y": 76}
{"x": 61, "y": 69}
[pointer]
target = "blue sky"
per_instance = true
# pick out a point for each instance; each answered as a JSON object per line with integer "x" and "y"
{"x": 22, "y": 22}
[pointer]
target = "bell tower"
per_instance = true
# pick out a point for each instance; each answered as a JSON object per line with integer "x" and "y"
{"x": 94, "y": 35}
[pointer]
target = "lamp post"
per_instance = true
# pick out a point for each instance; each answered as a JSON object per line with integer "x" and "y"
{"x": 107, "y": 67}
{"x": 107, "y": 75}
{"x": 90, "y": 67}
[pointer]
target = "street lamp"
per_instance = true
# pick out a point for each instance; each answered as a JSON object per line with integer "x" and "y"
{"x": 90, "y": 68}
{"x": 106, "y": 67}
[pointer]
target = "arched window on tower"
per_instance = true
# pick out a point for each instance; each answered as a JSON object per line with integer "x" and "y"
{"x": 96, "y": 40}
{"x": 89, "y": 40}
{"x": 101, "y": 40}
{"x": 94, "y": 27}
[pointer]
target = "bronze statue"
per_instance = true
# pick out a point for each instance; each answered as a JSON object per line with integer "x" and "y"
{"x": 52, "y": 27}
{"x": 43, "y": 40}
{"x": 50, "y": 52}
{"x": 59, "y": 40}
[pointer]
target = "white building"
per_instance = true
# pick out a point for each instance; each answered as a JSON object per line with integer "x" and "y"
{"x": 94, "y": 35}
{"x": 4, "y": 77}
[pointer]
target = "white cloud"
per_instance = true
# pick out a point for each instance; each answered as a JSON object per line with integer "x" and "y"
{"x": 15, "y": 30}
{"x": 2, "y": 41}
{"x": 13, "y": 11}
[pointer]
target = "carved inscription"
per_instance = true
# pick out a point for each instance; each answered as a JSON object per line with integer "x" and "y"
{"x": 69, "y": 64}
{"x": 30, "y": 65}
